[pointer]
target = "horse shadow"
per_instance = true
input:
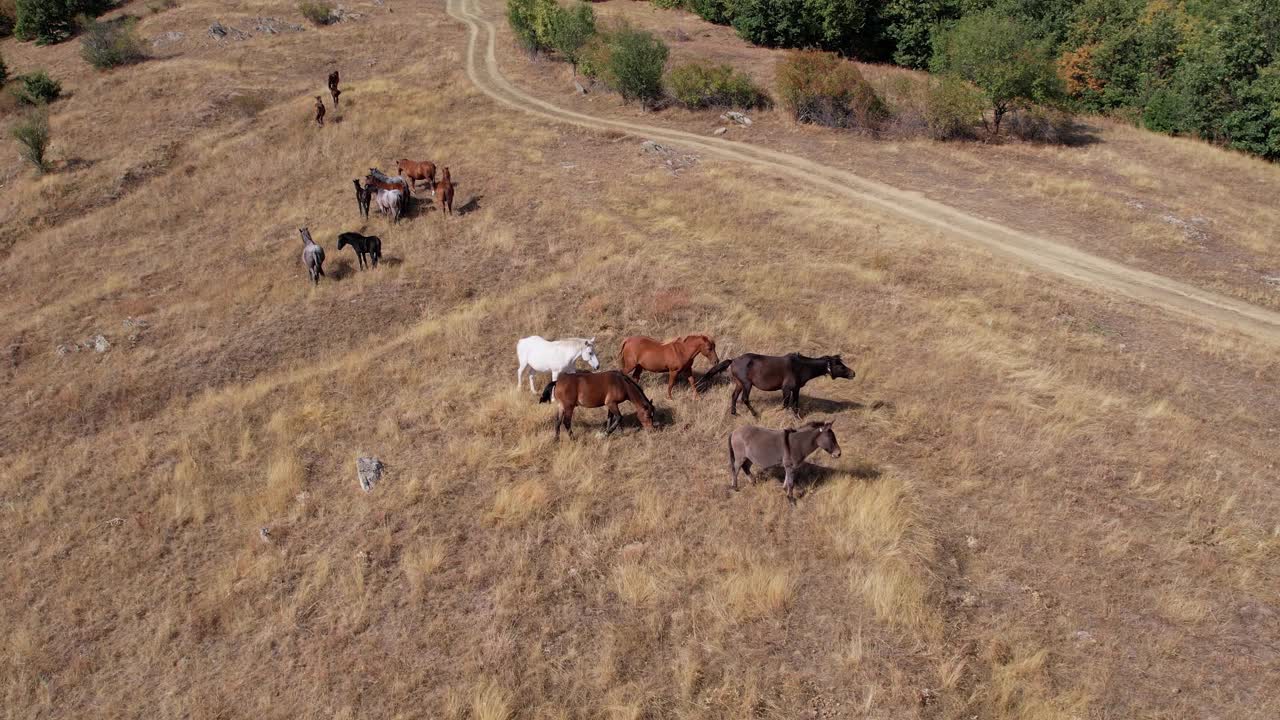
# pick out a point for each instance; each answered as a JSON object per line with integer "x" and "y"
{"x": 809, "y": 477}
{"x": 470, "y": 206}
{"x": 390, "y": 261}
{"x": 813, "y": 404}
{"x": 342, "y": 269}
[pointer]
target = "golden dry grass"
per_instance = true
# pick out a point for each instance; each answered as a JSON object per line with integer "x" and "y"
{"x": 1112, "y": 468}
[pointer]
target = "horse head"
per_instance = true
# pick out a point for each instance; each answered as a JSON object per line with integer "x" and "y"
{"x": 588, "y": 353}
{"x": 707, "y": 347}
{"x": 827, "y": 439}
{"x": 306, "y": 236}
{"x": 837, "y": 369}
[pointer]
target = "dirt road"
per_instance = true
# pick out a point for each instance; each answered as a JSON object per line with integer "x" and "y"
{"x": 1203, "y": 306}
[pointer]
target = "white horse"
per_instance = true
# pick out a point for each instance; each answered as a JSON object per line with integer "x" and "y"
{"x": 542, "y": 355}
{"x": 391, "y": 202}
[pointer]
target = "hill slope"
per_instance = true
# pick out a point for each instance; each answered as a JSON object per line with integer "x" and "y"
{"x": 1050, "y": 503}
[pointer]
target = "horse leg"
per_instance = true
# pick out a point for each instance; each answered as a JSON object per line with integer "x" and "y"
{"x": 568, "y": 421}
{"x": 557, "y": 424}
{"x": 733, "y": 401}
{"x": 794, "y": 394}
{"x": 671, "y": 380}
{"x": 615, "y": 418}
{"x": 636, "y": 372}
{"x": 746, "y": 399}
{"x": 520, "y": 376}
{"x": 789, "y": 482}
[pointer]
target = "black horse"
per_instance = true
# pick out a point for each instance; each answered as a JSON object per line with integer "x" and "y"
{"x": 364, "y": 245}
{"x": 787, "y": 373}
{"x": 363, "y": 195}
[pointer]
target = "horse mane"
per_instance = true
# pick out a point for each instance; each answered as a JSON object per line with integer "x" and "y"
{"x": 647, "y": 402}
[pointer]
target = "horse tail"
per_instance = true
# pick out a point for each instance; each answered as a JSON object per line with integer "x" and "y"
{"x": 648, "y": 404}
{"x": 733, "y": 465}
{"x": 546, "y": 392}
{"x": 705, "y": 381}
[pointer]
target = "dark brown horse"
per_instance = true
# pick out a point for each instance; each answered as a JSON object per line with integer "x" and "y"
{"x": 414, "y": 170}
{"x": 363, "y": 195}
{"x": 750, "y": 445}
{"x": 319, "y": 111}
{"x": 333, "y": 88}
{"x": 593, "y": 389}
{"x": 640, "y": 353}
{"x": 443, "y": 191}
{"x": 787, "y": 373}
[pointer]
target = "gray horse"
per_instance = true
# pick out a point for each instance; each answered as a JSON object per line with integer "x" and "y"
{"x": 312, "y": 256}
{"x": 750, "y": 446}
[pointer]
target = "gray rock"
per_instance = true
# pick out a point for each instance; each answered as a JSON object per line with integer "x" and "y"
{"x": 650, "y": 146}
{"x": 100, "y": 343}
{"x": 167, "y": 38}
{"x": 64, "y": 350}
{"x": 218, "y": 31}
{"x": 1272, "y": 280}
{"x": 578, "y": 86}
{"x": 272, "y": 26}
{"x": 720, "y": 131}
{"x": 736, "y": 117}
{"x": 368, "y": 472}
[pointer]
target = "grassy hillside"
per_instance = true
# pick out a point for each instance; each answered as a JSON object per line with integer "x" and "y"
{"x": 1050, "y": 504}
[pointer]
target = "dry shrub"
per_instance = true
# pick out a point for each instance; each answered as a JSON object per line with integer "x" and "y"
{"x": 319, "y": 12}
{"x": 821, "y": 88}
{"x": 1040, "y": 125}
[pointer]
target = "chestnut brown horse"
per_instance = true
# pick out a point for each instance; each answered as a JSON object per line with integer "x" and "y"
{"x": 414, "y": 170}
{"x": 593, "y": 389}
{"x": 640, "y": 353}
{"x": 443, "y": 191}
{"x": 787, "y": 373}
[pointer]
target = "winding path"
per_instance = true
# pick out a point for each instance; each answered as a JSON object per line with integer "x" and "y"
{"x": 1204, "y": 306}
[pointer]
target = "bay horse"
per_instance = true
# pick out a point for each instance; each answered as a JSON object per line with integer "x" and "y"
{"x": 443, "y": 191}
{"x": 365, "y": 246}
{"x": 333, "y": 88}
{"x": 312, "y": 256}
{"x": 363, "y": 196}
{"x": 751, "y": 445}
{"x": 560, "y": 356}
{"x": 787, "y": 373}
{"x": 319, "y": 111}
{"x": 593, "y": 389}
{"x": 640, "y": 353}
{"x": 416, "y": 170}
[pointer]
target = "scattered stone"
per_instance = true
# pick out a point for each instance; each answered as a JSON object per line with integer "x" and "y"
{"x": 218, "y": 31}
{"x": 674, "y": 161}
{"x": 928, "y": 696}
{"x": 369, "y": 472}
{"x": 272, "y": 26}
{"x": 168, "y": 38}
{"x": 969, "y": 599}
{"x": 100, "y": 343}
{"x": 64, "y": 350}
{"x": 1084, "y": 636}
{"x": 265, "y": 534}
{"x": 720, "y": 131}
{"x": 736, "y": 117}
{"x": 650, "y": 146}
{"x": 1272, "y": 280}
{"x": 972, "y": 542}
{"x": 579, "y": 87}
{"x": 341, "y": 14}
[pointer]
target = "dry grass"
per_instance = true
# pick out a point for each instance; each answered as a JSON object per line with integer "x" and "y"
{"x": 1113, "y": 469}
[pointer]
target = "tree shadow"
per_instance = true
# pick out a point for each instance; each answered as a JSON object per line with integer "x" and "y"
{"x": 72, "y": 164}
{"x": 471, "y": 205}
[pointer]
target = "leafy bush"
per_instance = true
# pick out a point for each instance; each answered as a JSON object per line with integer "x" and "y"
{"x": 697, "y": 85}
{"x": 319, "y": 12}
{"x": 952, "y": 108}
{"x": 108, "y": 44}
{"x": 636, "y": 60}
{"x": 45, "y": 21}
{"x": 1000, "y": 55}
{"x": 8, "y": 17}
{"x": 32, "y": 133}
{"x": 4, "y": 72}
{"x": 570, "y": 30}
{"x": 716, "y": 11}
{"x": 819, "y": 87}
{"x": 831, "y": 24}
{"x": 38, "y": 88}
{"x": 669, "y": 4}
{"x": 593, "y": 60}
{"x": 532, "y": 22}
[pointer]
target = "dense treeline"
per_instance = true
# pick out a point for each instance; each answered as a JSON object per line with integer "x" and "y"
{"x": 1199, "y": 67}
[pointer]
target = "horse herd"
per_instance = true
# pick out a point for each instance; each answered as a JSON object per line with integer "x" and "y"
{"x": 749, "y": 445}
{"x": 391, "y": 194}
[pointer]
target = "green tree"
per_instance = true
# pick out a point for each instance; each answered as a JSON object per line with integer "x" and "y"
{"x": 51, "y": 21}
{"x": 571, "y": 28}
{"x": 636, "y": 60}
{"x": 1002, "y": 57}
